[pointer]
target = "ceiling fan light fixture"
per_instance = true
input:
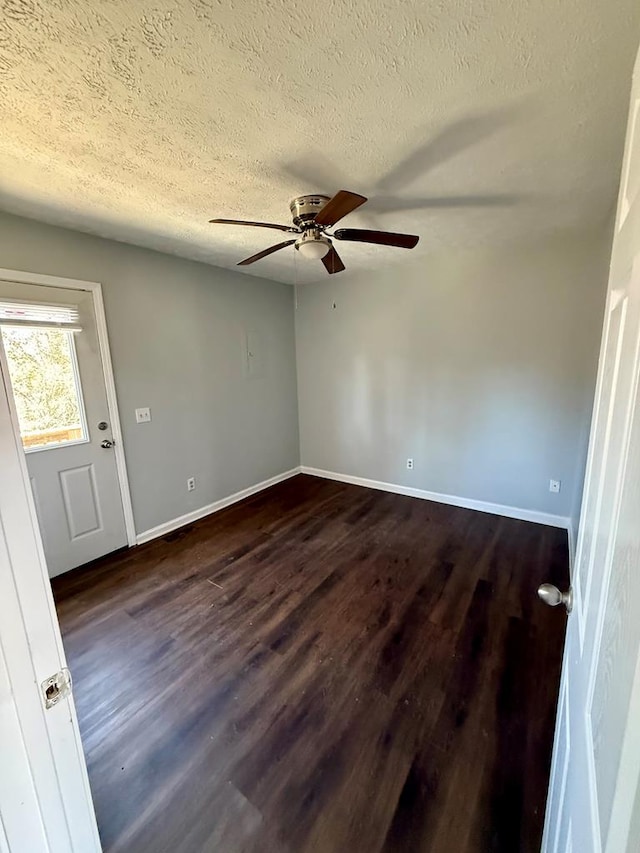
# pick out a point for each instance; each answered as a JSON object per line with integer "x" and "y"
{"x": 313, "y": 247}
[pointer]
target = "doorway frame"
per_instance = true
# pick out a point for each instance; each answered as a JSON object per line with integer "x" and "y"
{"x": 95, "y": 289}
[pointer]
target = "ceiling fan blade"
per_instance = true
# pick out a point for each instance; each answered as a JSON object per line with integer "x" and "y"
{"x": 333, "y": 262}
{"x": 381, "y": 238}
{"x": 265, "y": 252}
{"x": 342, "y": 203}
{"x": 255, "y": 224}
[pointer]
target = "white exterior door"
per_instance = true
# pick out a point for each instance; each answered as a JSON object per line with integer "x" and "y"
{"x": 594, "y": 800}
{"x": 60, "y": 394}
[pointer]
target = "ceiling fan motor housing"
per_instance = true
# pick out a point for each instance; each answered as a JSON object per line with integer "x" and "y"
{"x": 305, "y": 208}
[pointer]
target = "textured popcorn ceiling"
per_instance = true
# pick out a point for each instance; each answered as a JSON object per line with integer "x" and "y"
{"x": 141, "y": 119}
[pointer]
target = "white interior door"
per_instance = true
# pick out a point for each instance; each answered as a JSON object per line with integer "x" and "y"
{"x": 45, "y": 801}
{"x": 596, "y": 764}
{"x": 59, "y": 388}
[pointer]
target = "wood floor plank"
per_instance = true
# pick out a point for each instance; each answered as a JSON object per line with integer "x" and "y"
{"x": 323, "y": 668}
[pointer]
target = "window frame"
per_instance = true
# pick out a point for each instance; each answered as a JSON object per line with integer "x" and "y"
{"x": 77, "y": 384}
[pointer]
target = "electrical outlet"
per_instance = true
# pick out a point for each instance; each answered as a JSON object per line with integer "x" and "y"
{"x": 410, "y": 464}
{"x": 191, "y": 484}
{"x": 554, "y": 486}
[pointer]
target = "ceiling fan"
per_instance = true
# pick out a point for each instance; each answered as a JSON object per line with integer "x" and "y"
{"x": 312, "y": 215}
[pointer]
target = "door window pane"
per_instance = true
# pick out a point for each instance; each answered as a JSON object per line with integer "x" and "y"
{"x": 46, "y": 386}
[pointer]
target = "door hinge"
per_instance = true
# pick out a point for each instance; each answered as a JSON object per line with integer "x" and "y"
{"x": 56, "y": 687}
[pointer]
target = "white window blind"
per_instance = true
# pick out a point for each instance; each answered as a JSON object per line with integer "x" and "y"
{"x": 15, "y": 313}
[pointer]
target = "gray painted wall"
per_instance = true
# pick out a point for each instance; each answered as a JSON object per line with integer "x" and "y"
{"x": 177, "y": 335}
{"x": 478, "y": 365}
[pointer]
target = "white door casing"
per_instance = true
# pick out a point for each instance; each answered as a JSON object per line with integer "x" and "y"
{"x": 596, "y": 762}
{"x": 80, "y": 490}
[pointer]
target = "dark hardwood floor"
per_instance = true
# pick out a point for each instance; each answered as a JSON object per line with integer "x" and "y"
{"x": 320, "y": 668}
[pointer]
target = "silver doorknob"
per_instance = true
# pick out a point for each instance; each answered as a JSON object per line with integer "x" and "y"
{"x": 106, "y": 444}
{"x": 552, "y": 596}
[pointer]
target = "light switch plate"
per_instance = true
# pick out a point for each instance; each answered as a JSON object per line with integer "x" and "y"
{"x": 143, "y": 416}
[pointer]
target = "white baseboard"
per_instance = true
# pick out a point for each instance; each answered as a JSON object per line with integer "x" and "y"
{"x": 423, "y": 494}
{"x": 467, "y": 503}
{"x": 196, "y": 514}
